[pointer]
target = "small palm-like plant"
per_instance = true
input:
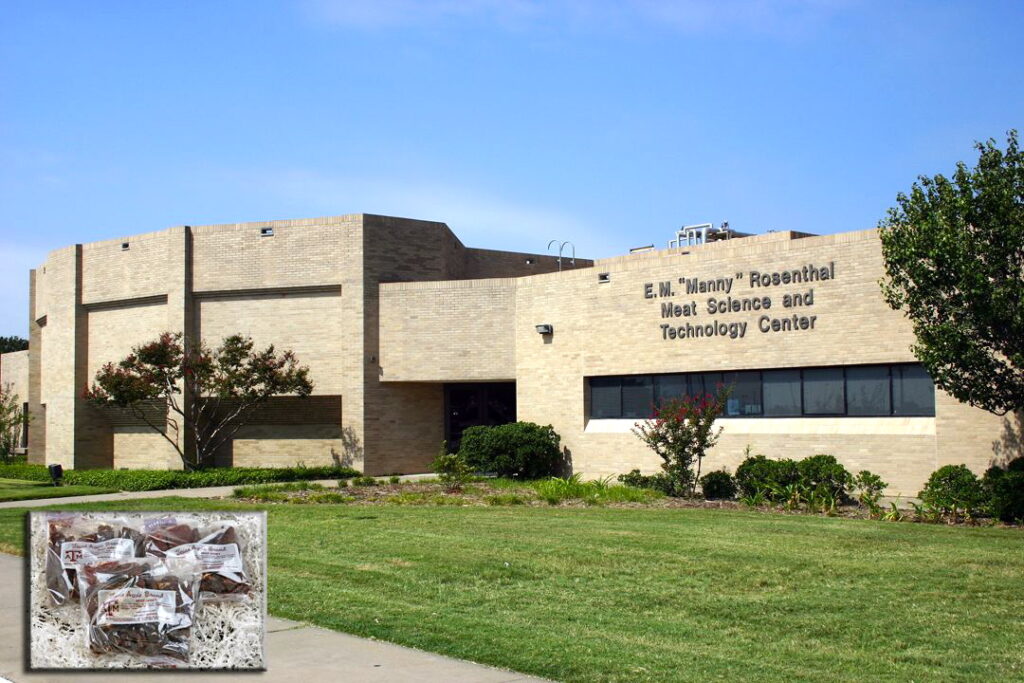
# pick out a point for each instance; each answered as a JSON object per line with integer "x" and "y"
{"x": 755, "y": 500}
{"x": 894, "y": 514}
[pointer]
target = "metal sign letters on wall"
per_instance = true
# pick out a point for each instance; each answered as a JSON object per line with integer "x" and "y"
{"x": 767, "y": 322}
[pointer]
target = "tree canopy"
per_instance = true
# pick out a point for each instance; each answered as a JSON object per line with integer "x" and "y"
{"x": 954, "y": 259}
{"x": 9, "y": 344}
{"x": 196, "y": 397}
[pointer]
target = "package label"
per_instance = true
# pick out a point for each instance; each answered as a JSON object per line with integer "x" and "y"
{"x": 135, "y": 606}
{"x": 214, "y": 557}
{"x": 72, "y": 552}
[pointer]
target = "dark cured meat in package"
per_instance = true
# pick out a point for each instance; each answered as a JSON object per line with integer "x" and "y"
{"x": 70, "y": 538}
{"x": 217, "y": 548}
{"x": 143, "y": 607}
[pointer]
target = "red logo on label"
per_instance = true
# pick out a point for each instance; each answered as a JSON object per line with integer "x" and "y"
{"x": 73, "y": 555}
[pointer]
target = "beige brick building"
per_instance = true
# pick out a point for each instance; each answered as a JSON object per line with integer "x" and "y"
{"x": 410, "y": 337}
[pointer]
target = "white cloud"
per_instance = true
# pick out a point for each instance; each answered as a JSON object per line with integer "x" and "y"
{"x": 478, "y": 219}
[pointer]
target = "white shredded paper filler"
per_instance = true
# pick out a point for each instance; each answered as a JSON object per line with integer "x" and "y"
{"x": 225, "y": 635}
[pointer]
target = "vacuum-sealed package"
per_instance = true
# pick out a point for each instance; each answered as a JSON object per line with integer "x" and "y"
{"x": 217, "y": 548}
{"x": 138, "y": 590}
{"x": 71, "y": 537}
{"x": 143, "y": 606}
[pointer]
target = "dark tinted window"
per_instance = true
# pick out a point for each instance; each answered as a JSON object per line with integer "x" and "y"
{"x": 823, "y": 391}
{"x": 668, "y": 387}
{"x": 745, "y": 397}
{"x": 638, "y": 397}
{"x": 874, "y": 390}
{"x": 913, "y": 392}
{"x": 781, "y": 392}
{"x": 867, "y": 390}
{"x": 710, "y": 382}
{"x": 605, "y": 397}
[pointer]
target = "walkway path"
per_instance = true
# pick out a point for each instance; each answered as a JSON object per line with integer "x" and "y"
{"x": 295, "y": 652}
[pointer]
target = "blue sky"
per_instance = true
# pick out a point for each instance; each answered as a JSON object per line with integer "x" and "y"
{"x": 516, "y": 122}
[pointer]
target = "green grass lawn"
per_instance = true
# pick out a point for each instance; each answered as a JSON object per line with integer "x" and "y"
{"x": 660, "y": 594}
{"x": 20, "y": 489}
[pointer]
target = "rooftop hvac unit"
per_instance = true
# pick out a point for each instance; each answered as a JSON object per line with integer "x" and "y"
{"x": 702, "y": 233}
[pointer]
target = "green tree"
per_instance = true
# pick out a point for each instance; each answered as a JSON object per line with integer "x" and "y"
{"x": 9, "y": 344}
{"x": 12, "y": 422}
{"x": 196, "y": 397}
{"x": 954, "y": 257}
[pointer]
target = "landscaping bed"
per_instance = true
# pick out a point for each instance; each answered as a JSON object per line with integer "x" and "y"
{"x": 560, "y": 492}
{"x": 487, "y": 492}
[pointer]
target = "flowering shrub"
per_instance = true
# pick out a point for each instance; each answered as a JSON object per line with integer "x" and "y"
{"x": 681, "y": 432}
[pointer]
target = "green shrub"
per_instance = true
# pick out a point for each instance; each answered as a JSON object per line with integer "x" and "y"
{"x": 21, "y": 470}
{"x": 953, "y": 489}
{"x": 150, "y": 480}
{"x": 718, "y": 485}
{"x": 760, "y": 475}
{"x": 394, "y": 479}
{"x": 451, "y": 468}
{"x": 559, "y": 489}
{"x": 869, "y": 487}
{"x": 522, "y": 450}
{"x": 628, "y": 494}
{"x": 655, "y": 482}
{"x": 364, "y": 481}
{"x": 822, "y": 474}
{"x": 275, "y": 492}
{"x": 1005, "y": 492}
{"x": 1015, "y": 465}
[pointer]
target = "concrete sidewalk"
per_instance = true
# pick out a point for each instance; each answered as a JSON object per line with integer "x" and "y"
{"x": 211, "y": 492}
{"x": 295, "y": 652}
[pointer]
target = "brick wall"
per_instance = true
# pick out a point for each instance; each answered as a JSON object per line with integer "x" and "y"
{"x": 450, "y": 331}
{"x": 311, "y": 286}
{"x": 612, "y": 329}
{"x": 14, "y": 373}
{"x": 382, "y": 351}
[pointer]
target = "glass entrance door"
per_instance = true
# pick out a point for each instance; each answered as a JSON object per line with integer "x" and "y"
{"x": 469, "y": 405}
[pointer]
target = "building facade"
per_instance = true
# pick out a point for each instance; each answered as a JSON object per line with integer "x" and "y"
{"x": 411, "y": 337}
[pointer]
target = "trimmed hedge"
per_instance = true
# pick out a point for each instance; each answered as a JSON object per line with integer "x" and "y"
{"x": 952, "y": 489}
{"x": 718, "y": 485}
{"x": 758, "y": 474}
{"x": 20, "y": 470}
{"x": 521, "y": 450}
{"x": 823, "y": 472}
{"x": 151, "y": 480}
{"x": 1005, "y": 491}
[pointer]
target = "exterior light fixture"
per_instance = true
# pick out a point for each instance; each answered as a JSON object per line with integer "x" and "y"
{"x": 545, "y": 328}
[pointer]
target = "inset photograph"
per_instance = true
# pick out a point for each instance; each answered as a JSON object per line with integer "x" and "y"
{"x": 147, "y": 590}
